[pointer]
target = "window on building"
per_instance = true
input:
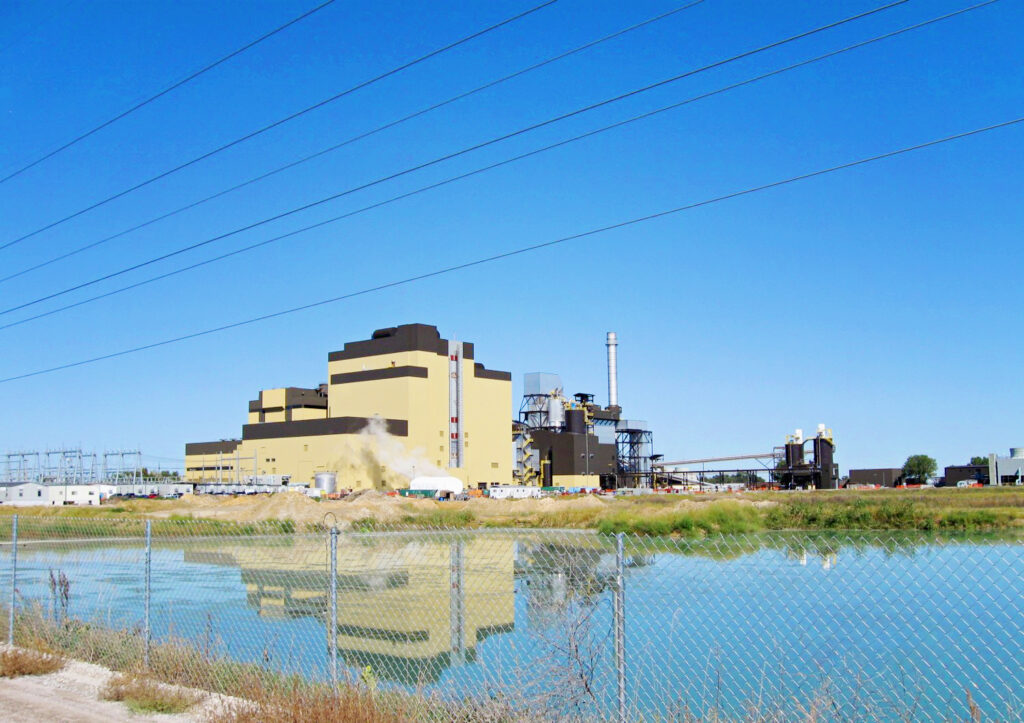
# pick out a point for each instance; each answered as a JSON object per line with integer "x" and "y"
{"x": 305, "y": 448}
{"x": 494, "y": 465}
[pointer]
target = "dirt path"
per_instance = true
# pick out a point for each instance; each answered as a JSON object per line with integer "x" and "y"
{"x": 72, "y": 695}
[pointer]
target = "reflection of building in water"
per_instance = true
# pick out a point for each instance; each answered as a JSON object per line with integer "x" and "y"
{"x": 559, "y": 575}
{"x": 829, "y": 558}
{"x": 407, "y": 609}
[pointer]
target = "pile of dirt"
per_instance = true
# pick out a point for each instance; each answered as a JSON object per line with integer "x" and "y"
{"x": 484, "y": 507}
{"x": 293, "y": 506}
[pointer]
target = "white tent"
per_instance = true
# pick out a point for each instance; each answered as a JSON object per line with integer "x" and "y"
{"x": 443, "y": 485}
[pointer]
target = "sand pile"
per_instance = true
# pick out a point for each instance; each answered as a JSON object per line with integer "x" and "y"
{"x": 291, "y": 506}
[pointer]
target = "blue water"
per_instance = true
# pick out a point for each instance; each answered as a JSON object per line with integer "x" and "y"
{"x": 887, "y": 627}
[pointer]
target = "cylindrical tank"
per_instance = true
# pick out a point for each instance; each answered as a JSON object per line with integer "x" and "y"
{"x": 576, "y": 421}
{"x": 556, "y": 413}
{"x": 1017, "y": 452}
{"x": 794, "y": 454}
{"x": 326, "y": 482}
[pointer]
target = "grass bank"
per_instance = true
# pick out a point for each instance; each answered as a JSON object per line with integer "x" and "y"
{"x": 991, "y": 509}
{"x": 926, "y": 510}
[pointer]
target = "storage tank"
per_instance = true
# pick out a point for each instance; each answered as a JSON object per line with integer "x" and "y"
{"x": 326, "y": 482}
{"x": 576, "y": 421}
{"x": 1017, "y": 452}
{"x": 794, "y": 454}
{"x": 556, "y": 412}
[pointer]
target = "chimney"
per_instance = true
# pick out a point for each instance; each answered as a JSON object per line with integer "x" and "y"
{"x": 612, "y": 343}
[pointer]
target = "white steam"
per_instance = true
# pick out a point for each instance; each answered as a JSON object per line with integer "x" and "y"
{"x": 386, "y": 451}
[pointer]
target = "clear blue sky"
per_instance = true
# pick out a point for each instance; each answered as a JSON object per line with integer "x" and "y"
{"x": 884, "y": 301}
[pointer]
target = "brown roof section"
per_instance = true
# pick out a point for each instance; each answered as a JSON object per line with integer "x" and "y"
{"x": 397, "y": 339}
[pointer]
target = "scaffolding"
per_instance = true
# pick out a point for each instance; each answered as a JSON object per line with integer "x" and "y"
{"x": 635, "y": 444}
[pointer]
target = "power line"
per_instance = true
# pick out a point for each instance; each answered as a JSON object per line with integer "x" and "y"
{"x": 449, "y": 156}
{"x": 354, "y": 139}
{"x": 165, "y": 91}
{"x": 281, "y": 121}
{"x": 521, "y": 250}
{"x": 505, "y": 162}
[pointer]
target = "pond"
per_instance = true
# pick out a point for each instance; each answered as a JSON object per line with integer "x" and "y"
{"x": 886, "y": 626}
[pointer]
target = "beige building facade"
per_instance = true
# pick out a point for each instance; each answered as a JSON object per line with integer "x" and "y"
{"x": 402, "y": 404}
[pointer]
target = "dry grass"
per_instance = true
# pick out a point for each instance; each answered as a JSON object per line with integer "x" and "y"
{"x": 18, "y": 661}
{"x": 314, "y": 705}
{"x": 145, "y": 695}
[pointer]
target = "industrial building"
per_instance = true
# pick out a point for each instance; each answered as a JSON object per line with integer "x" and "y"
{"x": 1007, "y": 470}
{"x": 876, "y": 477}
{"x": 818, "y": 472}
{"x": 33, "y": 494}
{"x": 970, "y": 473}
{"x": 786, "y": 467}
{"x": 403, "y": 403}
{"x": 577, "y": 443}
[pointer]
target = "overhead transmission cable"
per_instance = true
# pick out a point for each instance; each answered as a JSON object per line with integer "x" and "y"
{"x": 521, "y": 250}
{"x": 354, "y": 139}
{"x": 281, "y": 121}
{"x": 165, "y": 91}
{"x": 440, "y": 159}
{"x": 499, "y": 164}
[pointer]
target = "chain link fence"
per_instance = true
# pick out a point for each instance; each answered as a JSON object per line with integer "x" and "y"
{"x": 533, "y": 624}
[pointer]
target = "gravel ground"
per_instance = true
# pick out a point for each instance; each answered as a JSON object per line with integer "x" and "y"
{"x": 72, "y": 695}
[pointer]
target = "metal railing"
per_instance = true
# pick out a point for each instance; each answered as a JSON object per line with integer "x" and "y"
{"x": 536, "y": 624}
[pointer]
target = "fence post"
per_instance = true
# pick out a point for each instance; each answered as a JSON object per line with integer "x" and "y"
{"x": 332, "y": 601}
{"x": 149, "y": 565}
{"x": 14, "y": 578}
{"x": 619, "y": 610}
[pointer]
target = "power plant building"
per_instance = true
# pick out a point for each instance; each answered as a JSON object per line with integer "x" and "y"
{"x": 402, "y": 404}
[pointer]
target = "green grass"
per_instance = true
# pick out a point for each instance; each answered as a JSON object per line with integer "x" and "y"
{"x": 888, "y": 513}
{"x": 924, "y": 510}
{"x": 714, "y": 518}
{"x": 73, "y": 526}
{"x": 441, "y": 518}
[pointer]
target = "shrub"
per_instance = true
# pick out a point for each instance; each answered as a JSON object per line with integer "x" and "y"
{"x": 144, "y": 695}
{"x": 18, "y": 661}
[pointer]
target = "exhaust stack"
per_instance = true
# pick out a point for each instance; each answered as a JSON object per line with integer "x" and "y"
{"x": 612, "y": 343}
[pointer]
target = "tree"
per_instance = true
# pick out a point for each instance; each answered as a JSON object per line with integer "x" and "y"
{"x": 919, "y": 468}
{"x": 979, "y": 461}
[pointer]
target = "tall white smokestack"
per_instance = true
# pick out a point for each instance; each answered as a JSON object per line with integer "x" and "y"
{"x": 612, "y": 343}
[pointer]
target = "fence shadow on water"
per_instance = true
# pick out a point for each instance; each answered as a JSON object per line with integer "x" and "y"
{"x": 535, "y": 624}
